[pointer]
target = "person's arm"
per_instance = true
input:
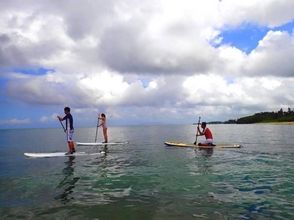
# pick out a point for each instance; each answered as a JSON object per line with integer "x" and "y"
{"x": 61, "y": 118}
{"x": 200, "y": 133}
{"x": 99, "y": 118}
{"x": 102, "y": 122}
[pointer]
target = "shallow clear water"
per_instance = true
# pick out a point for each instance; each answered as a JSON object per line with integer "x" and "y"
{"x": 145, "y": 179}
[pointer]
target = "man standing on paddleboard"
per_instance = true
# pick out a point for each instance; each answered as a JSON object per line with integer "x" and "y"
{"x": 207, "y": 133}
{"x": 69, "y": 130}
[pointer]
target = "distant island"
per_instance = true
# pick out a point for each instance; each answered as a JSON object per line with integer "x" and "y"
{"x": 263, "y": 117}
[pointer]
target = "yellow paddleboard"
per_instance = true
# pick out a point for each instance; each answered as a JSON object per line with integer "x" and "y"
{"x": 181, "y": 144}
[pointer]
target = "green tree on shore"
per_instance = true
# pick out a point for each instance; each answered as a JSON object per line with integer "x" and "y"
{"x": 264, "y": 117}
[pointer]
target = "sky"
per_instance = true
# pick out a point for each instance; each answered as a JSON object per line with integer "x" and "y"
{"x": 144, "y": 62}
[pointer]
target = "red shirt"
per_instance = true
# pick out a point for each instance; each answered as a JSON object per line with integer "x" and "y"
{"x": 207, "y": 133}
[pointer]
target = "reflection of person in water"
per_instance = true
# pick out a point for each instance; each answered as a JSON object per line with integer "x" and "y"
{"x": 203, "y": 162}
{"x": 68, "y": 182}
{"x": 205, "y": 152}
{"x": 104, "y": 149}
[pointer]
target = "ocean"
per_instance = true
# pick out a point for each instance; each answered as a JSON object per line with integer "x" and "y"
{"x": 144, "y": 179}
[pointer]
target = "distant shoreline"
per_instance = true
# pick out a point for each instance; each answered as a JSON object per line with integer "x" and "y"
{"x": 278, "y": 123}
{"x": 280, "y": 117}
{"x": 269, "y": 123}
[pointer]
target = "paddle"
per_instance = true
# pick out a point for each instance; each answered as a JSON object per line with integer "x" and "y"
{"x": 97, "y": 129}
{"x": 195, "y": 143}
{"x": 62, "y": 125}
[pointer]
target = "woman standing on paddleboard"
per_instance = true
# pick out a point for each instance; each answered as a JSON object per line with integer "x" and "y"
{"x": 103, "y": 124}
{"x": 69, "y": 129}
{"x": 207, "y": 133}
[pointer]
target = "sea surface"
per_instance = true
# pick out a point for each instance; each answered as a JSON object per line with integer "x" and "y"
{"x": 147, "y": 180}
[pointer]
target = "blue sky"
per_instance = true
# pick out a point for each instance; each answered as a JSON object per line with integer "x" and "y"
{"x": 246, "y": 36}
{"x": 32, "y": 71}
{"x": 144, "y": 63}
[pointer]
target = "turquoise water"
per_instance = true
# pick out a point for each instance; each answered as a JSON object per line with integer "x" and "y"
{"x": 145, "y": 179}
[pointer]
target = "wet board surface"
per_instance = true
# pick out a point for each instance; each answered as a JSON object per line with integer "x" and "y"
{"x": 59, "y": 154}
{"x": 101, "y": 143}
{"x": 181, "y": 144}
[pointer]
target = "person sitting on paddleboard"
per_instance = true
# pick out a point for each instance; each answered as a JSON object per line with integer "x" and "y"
{"x": 207, "y": 133}
{"x": 69, "y": 129}
{"x": 103, "y": 124}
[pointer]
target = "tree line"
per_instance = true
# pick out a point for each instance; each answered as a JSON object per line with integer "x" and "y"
{"x": 264, "y": 117}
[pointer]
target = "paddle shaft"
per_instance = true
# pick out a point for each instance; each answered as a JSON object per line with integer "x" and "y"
{"x": 62, "y": 126}
{"x": 195, "y": 143}
{"x": 96, "y": 130}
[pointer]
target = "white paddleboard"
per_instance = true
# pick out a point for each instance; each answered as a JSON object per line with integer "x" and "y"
{"x": 101, "y": 143}
{"x": 60, "y": 154}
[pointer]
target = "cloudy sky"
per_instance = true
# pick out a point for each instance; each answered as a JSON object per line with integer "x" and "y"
{"x": 144, "y": 62}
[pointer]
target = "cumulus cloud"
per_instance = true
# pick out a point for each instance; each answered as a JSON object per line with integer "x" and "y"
{"x": 45, "y": 119}
{"x": 155, "y": 56}
{"x": 273, "y": 56}
{"x": 248, "y": 92}
{"x": 270, "y": 13}
{"x": 15, "y": 121}
{"x": 127, "y": 36}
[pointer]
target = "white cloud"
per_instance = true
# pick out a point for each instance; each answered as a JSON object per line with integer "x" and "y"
{"x": 153, "y": 56}
{"x": 230, "y": 61}
{"x": 254, "y": 92}
{"x": 270, "y": 13}
{"x": 126, "y": 36}
{"x": 15, "y": 121}
{"x": 273, "y": 56}
{"x": 45, "y": 119}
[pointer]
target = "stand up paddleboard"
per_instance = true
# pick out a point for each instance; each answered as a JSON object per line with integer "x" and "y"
{"x": 180, "y": 144}
{"x": 60, "y": 154}
{"x": 101, "y": 143}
